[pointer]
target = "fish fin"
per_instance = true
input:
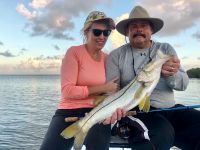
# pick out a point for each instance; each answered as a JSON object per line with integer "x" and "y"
{"x": 148, "y": 83}
{"x": 146, "y": 77}
{"x": 79, "y": 140}
{"x": 149, "y": 67}
{"x": 99, "y": 99}
{"x": 141, "y": 76}
{"x": 142, "y": 103}
{"x": 71, "y": 130}
{"x": 145, "y": 104}
{"x": 138, "y": 92}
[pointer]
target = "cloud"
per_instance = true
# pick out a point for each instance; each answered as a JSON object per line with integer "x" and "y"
{"x": 116, "y": 38}
{"x": 21, "y": 52}
{"x": 56, "y": 47}
{"x": 178, "y": 15}
{"x": 196, "y": 35}
{"x": 6, "y": 68}
{"x": 34, "y": 65}
{"x": 24, "y": 11}
{"x": 40, "y": 3}
{"x": 1, "y": 43}
{"x": 40, "y": 65}
{"x": 178, "y": 45}
{"x": 42, "y": 58}
{"x": 7, "y": 54}
{"x": 185, "y": 57}
{"x": 54, "y": 18}
{"x": 189, "y": 62}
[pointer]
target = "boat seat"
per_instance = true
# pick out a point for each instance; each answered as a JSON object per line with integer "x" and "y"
{"x": 117, "y": 142}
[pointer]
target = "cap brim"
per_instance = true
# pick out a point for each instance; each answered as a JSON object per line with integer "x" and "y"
{"x": 155, "y": 22}
{"x": 110, "y": 20}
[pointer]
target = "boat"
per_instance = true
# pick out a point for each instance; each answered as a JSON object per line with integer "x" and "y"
{"x": 118, "y": 142}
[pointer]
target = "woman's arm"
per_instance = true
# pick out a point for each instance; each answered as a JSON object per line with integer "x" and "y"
{"x": 69, "y": 75}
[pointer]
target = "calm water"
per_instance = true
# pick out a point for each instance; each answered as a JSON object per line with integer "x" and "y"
{"x": 27, "y": 104}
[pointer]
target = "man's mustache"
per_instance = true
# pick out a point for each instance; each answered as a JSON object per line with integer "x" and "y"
{"x": 139, "y": 34}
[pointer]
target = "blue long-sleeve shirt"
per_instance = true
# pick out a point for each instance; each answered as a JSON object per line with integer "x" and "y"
{"x": 125, "y": 62}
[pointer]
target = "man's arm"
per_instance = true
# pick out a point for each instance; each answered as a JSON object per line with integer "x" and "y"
{"x": 178, "y": 81}
{"x": 112, "y": 67}
{"x": 172, "y": 71}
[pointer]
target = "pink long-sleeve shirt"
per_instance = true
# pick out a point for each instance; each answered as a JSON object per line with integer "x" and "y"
{"x": 78, "y": 71}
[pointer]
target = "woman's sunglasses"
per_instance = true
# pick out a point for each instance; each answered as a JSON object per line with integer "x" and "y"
{"x": 98, "y": 32}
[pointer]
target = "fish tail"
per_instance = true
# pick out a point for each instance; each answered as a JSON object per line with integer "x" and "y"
{"x": 79, "y": 139}
{"x": 76, "y": 130}
{"x": 71, "y": 130}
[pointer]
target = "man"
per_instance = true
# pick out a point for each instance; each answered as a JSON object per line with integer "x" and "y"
{"x": 166, "y": 129}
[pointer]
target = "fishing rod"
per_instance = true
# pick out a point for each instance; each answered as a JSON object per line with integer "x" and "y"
{"x": 134, "y": 112}
{"x": 172, "y": 109}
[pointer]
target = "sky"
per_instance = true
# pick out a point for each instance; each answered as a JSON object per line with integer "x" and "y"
{"x": 35, "y": 34}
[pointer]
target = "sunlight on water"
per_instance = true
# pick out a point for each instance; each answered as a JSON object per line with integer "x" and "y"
{"x": 27, "y": 104}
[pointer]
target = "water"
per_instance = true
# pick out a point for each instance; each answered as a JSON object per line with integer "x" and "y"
{"x": 27, "y": 104}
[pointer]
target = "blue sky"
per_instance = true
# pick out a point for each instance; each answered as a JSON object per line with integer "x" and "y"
{"x": 35, "y": 34}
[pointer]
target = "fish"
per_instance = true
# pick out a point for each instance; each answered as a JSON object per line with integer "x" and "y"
{"x": 136, "y": 93}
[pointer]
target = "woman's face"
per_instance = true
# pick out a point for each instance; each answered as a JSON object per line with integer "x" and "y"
{"x": 97, "y": 35}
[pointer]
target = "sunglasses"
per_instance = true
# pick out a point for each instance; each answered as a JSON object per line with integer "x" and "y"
{"x": 98, "y": 32}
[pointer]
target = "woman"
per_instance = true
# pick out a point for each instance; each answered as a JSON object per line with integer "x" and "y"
{"x": 83, "y": 77}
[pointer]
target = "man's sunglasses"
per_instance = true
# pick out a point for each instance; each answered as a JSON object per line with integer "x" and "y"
{"x": 98, "y": 32}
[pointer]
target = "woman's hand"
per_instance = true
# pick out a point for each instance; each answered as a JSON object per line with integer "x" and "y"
{"x": 109, "y": 87}
{"x": 117, "y": 115}
{"x": 112, "y": 86}
{"x": 170, "y": 67}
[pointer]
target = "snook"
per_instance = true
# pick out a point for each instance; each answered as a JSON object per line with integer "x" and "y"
{"x": 136, "y": 93}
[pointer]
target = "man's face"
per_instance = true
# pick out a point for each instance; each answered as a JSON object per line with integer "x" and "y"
{"x": 139, "y": 33}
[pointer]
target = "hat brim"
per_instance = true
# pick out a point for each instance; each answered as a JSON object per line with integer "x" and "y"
{"x": 110, "y": 20}
{"x": 156, "y": 24}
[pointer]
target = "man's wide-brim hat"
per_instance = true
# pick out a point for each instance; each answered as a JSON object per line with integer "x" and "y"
{"x": 139, "y": 13}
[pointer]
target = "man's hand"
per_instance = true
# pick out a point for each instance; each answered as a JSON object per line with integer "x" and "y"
{"x": 117, "y": 115}
{"x": 170, "y": 67}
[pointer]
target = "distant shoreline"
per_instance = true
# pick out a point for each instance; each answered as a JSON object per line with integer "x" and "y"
{"x": 194, "y": 73}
